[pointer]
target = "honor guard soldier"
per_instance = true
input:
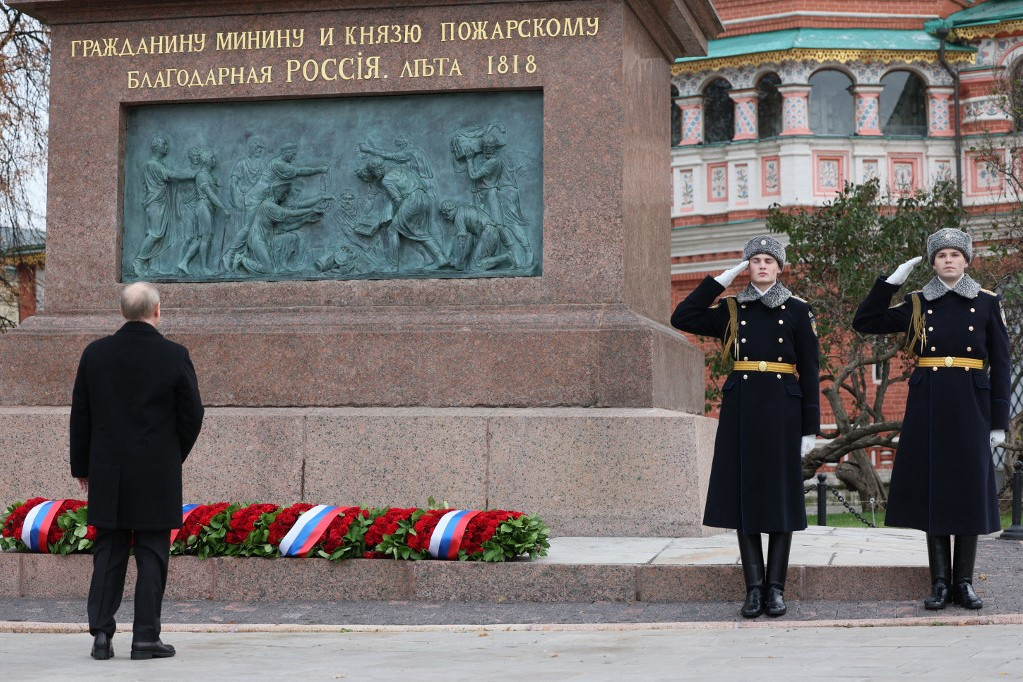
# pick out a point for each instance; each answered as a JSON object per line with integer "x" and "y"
{"x": 770, "y": 414}
{"x": 943, "y": 480}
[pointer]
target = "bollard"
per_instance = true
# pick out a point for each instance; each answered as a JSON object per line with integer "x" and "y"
{"x": 822, "y": 500}
{"x": 1015, "y": 531}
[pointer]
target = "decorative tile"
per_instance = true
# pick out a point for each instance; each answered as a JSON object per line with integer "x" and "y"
{"x": 828, "y": 174}
{"x": 942, "y": 170}
{"x": 870, "y": 169}
{"x": 903, "y": 176}
{"x": 866, "y": 113}
{"x": 717, "y": 182}
{"x": 685, "y": 183}
{"x": 772, "y": 176}
{"x": 742, "y": 182}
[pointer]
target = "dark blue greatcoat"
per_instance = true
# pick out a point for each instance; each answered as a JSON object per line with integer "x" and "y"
{"x": 943, "y": 478}
{"x": 756, "y": 479}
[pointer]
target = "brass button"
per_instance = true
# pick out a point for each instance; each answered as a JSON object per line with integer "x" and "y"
{"x": 971, "y": 327}
{"x": 779, "y": 376}
{"x": 743, "y": 341}
{"x": 933, "y": 349}
{"x": 967, "y": 369}
{"x": 762, "y": 365}
{"x": 973, "y": 310}
{"x": 743, "y": 306}
{"x": 969, "y": 348}
{"x": 783, "y": 306}
{"x": 781, "y": 321}
{"x": 743, "y": 322}
{"x": 745, "y": 376}
{"x": 781, "y": 340}
{"x": 934, "y": 369}
{"x": 930, "y": 312}
{"x": 948, "y": 361}
{"x": 930, "y": 329}
{"x": 745, "y": 357}
{"x": 779, "y": 359}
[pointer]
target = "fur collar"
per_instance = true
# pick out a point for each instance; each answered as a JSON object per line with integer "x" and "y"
{"x": 967, "y": 287}
{"x": 772, "y": 298}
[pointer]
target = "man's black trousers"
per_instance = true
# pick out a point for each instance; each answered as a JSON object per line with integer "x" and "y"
{"x": 109, "y": 564}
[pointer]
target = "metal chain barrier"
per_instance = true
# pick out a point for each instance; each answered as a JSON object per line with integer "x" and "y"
{"x": 834, "y": 491}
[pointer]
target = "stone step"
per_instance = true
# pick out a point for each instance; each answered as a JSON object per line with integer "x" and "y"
{"x": 252, "y": 579}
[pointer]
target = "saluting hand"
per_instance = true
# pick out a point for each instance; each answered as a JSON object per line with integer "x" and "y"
{"x": 901, "y": 273}
{"x": 728, "y": 276}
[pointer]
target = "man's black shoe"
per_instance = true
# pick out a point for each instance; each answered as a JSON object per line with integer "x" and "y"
{"x": 102, "y": 647}
{"x": 141, "y": 651}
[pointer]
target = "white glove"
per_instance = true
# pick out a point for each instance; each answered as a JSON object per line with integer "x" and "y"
{"x": 997, "y": 437}
{"x": 808, "y": 444}
{"x": 728, "y": 276}
{"x": 901, "y": 273}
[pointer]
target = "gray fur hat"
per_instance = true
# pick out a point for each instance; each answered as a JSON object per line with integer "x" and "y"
{"x": 765, "y": 244}
{"x": 949, "y": 238}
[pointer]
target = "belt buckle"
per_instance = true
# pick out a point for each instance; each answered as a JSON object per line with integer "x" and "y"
{"x": 949, "y": 361}
{"x": 762, "y": 366}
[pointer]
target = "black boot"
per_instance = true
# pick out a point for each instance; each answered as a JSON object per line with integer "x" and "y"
{"x": 751, "y": 552}
{"x": 962, "y": 572}
{"x": 777, "y": 567}
{"x": 939, "y": 558}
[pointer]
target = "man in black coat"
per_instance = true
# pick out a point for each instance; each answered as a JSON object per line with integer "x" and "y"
{"x": 943, "y": 481}
{"x": 135, "y": 415}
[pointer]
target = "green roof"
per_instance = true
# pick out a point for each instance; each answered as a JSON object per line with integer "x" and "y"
{"x": 991, "y": 12}
{"x": 825, "y": 39}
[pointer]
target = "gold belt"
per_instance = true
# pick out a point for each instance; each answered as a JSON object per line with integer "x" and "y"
{"x": 764, "y": 366}
{"x": 949, "y": 361}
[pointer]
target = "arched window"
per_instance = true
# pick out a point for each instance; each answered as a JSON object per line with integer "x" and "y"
{"x": 831, "y": 103}
{"x": 903, "y": 104}
{"x": 718, "y": 112}
{"x": 676, "y": 119}
{"x": 768, "y": 106}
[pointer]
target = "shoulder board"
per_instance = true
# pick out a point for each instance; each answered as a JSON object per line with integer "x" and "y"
{"x": 989, "y": 292}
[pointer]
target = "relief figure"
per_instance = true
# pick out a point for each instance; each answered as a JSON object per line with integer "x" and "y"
{"x": 158, "y": 204}
{"x": 478, "y": 241}
{"x": 281, "y": 169}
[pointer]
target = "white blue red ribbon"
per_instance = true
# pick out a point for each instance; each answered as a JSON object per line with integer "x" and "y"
{"x": 37, "y": 525}
{"x": 186, "y": 509}
{"x": 308, "y": 530}
{"x": 448, "y": 533}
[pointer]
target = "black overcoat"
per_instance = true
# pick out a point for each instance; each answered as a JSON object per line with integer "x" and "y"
{"x": 756, "y": 479}
{"x": 135, "y": 414}
{"x": 943, "y": 478}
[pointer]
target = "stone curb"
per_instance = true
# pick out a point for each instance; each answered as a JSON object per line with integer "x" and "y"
{"x": 250, "y": 579}
{"x": 11, "y": 627}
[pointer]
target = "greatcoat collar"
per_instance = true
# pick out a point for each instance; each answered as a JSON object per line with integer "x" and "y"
{"x": 772, "y": 298}
{"x": 967, "y": 287}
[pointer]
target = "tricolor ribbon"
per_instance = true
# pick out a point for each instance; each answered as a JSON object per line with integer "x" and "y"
{"x": 308, "y": 530}
{"x": 186, "y": 509}
{"x": 448, "y": 533}
{"x": 37, "y": 525}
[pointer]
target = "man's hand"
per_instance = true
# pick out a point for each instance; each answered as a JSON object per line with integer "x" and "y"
{"x": 997, "y": 437}
{"x": 807, "y": 445}
{"x": 901, "y": 273}
{"x": 83, "y": 483}
{"x": 728, "y": 276}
